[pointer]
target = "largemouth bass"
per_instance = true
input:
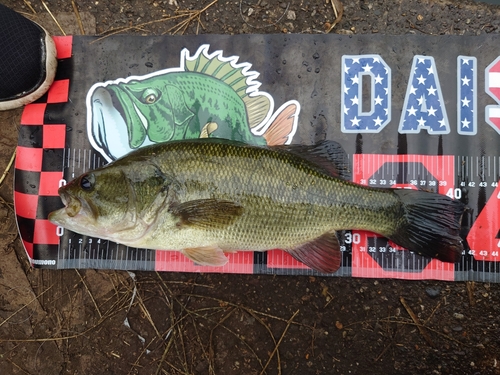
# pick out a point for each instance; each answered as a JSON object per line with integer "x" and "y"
{"x": 207, "y": 197}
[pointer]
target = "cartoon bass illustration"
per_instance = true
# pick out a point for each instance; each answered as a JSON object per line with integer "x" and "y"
{"x": 207, "y": 96}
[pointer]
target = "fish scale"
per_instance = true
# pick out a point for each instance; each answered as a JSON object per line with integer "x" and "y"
{"x": 278, "y": 191}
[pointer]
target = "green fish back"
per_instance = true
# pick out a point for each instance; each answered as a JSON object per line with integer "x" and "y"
{"x": 237, "y": 78}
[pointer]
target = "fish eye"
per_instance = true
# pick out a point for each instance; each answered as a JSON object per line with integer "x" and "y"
{"x": 150, "y": 96}
{"x": 87, "y": 182}
{"x": 150, "y": 99}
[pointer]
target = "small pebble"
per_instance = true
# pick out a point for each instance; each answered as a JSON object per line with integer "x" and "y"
{"x": 433, "y": 292}
{"x": 458, "y": 316}
{"x": 457, "y": 328}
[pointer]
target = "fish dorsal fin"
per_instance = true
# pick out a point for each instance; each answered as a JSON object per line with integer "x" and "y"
{"x": 328, "y": 156}
{"x": 236, "y": 75}
{"x": 206, "y": 255}
{"x": 206, "y": 213}
{"x": 322, "y": 254}
{"x": 223, "y": 68}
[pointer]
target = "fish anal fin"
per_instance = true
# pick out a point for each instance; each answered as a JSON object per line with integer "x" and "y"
{"x": 322, "y": 254}
{"x": 283, "y": 125}
{"x": 206, "y": 213}
{"x": 206, "y": 255}
{"x": 328, "y": 156}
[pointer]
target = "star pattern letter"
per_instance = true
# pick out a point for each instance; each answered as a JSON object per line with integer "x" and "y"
{"x": 354, "y": 120}
{"x": 466, "y": 95}
{"x": 424, "y": 105}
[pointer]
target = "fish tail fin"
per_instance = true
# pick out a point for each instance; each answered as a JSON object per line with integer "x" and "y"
{"x": 283, "y": 125}
{"x": 430, "y": 224}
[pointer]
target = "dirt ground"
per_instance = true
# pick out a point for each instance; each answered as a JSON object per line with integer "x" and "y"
{"x": 107, "y": 322}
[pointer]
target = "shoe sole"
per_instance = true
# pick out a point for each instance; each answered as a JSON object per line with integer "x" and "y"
{"x": 50, "y": 54}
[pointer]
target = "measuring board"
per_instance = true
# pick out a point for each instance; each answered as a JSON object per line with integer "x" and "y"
{"x": 338, "y": 97}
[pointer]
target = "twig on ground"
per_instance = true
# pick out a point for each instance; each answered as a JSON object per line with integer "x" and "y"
{"x": 312, "y": 339}
{"x": 210, "y": 339}
{"x": 338, "y": 10}
{"x": 192, "y": 15}
{"x": 148, "y": 315}
{"x": 275, "y": 350}
{"x": 220, "y": 301}
{"x": 123, "y": 29}
{"x": 432, "y": 313}
{"x": 164, "y": 356}
{"x": 412, "y": 26}
{"x": 391, "y": 343}
{"x": 417, "y": 322}
{"x": 183, "y": 25}
{"x": 262, "y": 27}
{"x": 54, "y": 18}
{"x": 8, "y": 204}
{"x": 16, "y": 365}
{"x": 22, "y": 308}
{"x": 78, "y": 19}
{"x": 90, "y": 294}
{"x": 470, "y": 292}
{"x": 28, "y": 4}
{"x": 7, "y": 168}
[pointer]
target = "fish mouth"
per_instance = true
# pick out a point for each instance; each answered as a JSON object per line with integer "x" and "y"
{"x": 72, "y": 206}
{"x": 124, "y": 102}
{"x": 117, "y": 103}
{"x": 108, "y": 125}
{"x": 118, "y": 97}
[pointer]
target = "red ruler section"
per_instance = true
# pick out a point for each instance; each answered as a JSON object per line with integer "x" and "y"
{"x": 281, "y": 259}
{"x": 484, "y": 236}
{"x": 375, "y": 256}
{"x": 174, "y": 261}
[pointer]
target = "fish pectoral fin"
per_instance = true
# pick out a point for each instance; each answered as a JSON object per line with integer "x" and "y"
{"x": 208, "y": 129}
{"x": 322, "y": 254}
{"x": 207, "y": 213}
{"x": 206, "y": 255}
